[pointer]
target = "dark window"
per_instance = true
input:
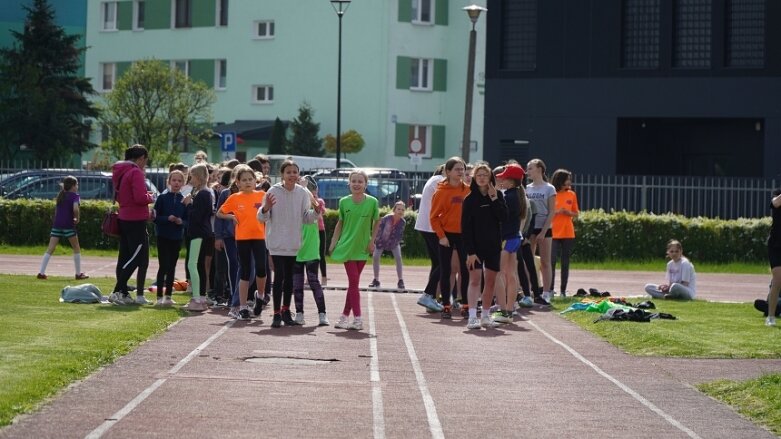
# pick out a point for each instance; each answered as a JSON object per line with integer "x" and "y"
{"x": 745, "y": 33}
{"x": 223, "y": 12}
{"x": 140, "y": 15}
{"x": 640, "y": 34}
{"x": 519, "y": 35}
{"x": 692, "y": 43}
{"x": 183, "y": 13}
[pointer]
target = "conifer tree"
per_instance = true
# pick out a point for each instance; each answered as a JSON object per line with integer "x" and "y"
{"x": 305, "y": 140}
{"x": 277, "y": 143}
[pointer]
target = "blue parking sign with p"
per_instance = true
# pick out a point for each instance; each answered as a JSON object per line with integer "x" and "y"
{"x": 228, "y": 142}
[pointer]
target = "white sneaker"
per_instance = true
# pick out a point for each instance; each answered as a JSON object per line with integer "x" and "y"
{"x": 324, "y": 320}
{"x": 168, "y": 301}
{"x": 159, "y": 302}
{"x": 770, "y": 321}
{"x": 474, "y": 323}
{"x": 300, "y": 318}
{"x": 141, "y": 300}
{"x": 233, "y": 313}
{"x": 118, "y": 299}
{"x": 357, "y": 325}
{"x": 196, "y": 305}
{"x": 343, "y": 323}
{"x": 548, "y": 296}
{"x": 487, "y": 322}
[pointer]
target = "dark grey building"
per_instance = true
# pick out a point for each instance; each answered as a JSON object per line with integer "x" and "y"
{"x": 652, "y": 87}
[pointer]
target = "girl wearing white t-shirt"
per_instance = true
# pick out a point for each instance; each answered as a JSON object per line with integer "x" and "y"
{"x": 542, "y": 195}
{"x": 680, "y": 277}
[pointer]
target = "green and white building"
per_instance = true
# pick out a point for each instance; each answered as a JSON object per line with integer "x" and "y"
{"x": 404, "y": 66}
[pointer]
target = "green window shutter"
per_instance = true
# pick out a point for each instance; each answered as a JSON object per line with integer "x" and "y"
{"x": 204, "y": 13}
{"x": 403, "y": 66}
{"x": 405, "y": 11}
{"x": 440, "y": 75}
{"x": 402, "y": 140}
{"x": 121, "y": 68}
{"x": 158, "y": 14}
{"x": 124, "y": 15}
{"x": 441, "y": 12}
{"x": 438, "y": 141}
{"x": 202, "y": 70}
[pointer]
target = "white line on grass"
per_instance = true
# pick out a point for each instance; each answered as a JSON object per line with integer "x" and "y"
{"x": 377, "y": 407}
{"x": 428, "y": 402}
{"x": 620, "y": 385}
{"x": 135, "y": 402}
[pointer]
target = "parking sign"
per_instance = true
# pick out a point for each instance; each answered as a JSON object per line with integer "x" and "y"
{"x": 228, "y": 142}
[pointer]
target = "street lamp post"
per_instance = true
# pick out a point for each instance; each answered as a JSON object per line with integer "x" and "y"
{"x": 474, "y": 13}
{"x": 340, "y": 7}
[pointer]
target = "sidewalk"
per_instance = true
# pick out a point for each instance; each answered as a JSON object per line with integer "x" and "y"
{"x": 407, "y": 374}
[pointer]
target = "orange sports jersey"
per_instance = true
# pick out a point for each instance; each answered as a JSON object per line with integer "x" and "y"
{"x": 562, "y": 227}
{"x": 245, "y": 207}
{"x": 446, "y": 207}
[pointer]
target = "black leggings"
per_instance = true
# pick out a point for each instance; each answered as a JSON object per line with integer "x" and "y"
{"x": 167, "y": 257}
{"x": 526, "y": 259}
{"x": 432, "y": 247}
{"x": 133, "y": 254}
{"x": 322, "y": 253}
{"x": 445, "y": 254}
{"x": 248, "y": 249}
{"x": 561, "y": 247}
{"x": 283, "y": 281}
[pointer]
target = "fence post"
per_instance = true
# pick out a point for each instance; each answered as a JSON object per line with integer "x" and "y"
{"x": 643, "y": 196}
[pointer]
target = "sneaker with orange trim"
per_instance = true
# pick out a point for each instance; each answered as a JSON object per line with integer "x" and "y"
{"x": 446, "y": 313}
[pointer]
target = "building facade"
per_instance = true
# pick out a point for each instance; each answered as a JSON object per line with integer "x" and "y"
{"x": 403, "y": 66}
{"x": 648, "y": 87}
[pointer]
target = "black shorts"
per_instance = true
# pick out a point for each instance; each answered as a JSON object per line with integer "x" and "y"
{"x": 548, "y": 234}
{"x": 774, "y": 254}
{"x": 491, "y": 262}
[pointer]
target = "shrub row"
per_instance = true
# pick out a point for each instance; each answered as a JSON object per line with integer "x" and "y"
{"x": 600, "y": 235}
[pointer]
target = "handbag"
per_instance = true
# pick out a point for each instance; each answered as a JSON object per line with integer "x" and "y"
{"x": 110, "y": 224}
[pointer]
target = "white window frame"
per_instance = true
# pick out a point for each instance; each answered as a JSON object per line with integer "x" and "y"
{"x": 112, "y": 74}
{"x": 417, "y": 12}
{"x": 220, "y": 72}
{"x": 218, "y": 13}
{"x": 136, "y": 8}
{"x": 108, "y": 24}
{"x": 269, "y": 25}
{"x": 174, "y": 66}
{"x": 424, "y": 80}
{"x": 429, "y": 130}
{"x": 267, "y": 87}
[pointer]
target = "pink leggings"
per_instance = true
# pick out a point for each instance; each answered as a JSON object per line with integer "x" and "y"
{"x": 353, "y": 299}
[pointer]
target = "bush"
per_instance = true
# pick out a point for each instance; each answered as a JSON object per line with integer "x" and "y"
{"x": 600, "y": 235}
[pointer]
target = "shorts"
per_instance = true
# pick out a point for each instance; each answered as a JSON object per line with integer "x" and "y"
{"x": 548, "y": 234}
{"x": 774, "y": 255}
{"x": 491, "y": 262}
{"x": 63, "y": 233}
{"x": 511, "y": 245}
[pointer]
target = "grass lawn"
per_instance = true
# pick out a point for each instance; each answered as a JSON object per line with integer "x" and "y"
{"x": 46, "y": 345}
{"x": 758, "y": 399}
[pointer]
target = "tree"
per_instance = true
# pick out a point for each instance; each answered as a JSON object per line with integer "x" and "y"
{"x": 277, "y": 143}
{"x": 305, "y": 140}
{"x": 43, "y": 102}
{"x": 352, "y": 142}
{"x": 160, "y": 108}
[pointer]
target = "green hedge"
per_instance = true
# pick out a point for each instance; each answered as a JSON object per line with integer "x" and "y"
{"x": 600, "y": 235}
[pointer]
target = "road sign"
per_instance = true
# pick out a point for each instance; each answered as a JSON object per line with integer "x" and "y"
{"x": 415, "y": 159}
{"x": 228, "y": 142}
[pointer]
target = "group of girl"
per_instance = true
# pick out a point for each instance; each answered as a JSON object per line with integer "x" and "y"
{"x": 479, "y": 224}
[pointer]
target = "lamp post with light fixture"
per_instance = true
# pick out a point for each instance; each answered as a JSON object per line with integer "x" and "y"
{"x": 340, "y": 7}
{"x": 474, "y": 13}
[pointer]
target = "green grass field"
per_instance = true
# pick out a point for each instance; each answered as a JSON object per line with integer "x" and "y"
{"x": 758, "y": 399}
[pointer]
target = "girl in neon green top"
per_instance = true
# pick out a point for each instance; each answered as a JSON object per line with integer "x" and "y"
{"x": 353, "y": 242}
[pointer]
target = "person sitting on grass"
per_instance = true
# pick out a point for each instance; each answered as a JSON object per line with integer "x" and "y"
{"x": 680, "y": 277}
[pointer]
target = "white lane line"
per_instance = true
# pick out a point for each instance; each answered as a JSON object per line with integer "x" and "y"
{"x": 377, "y": 407}
{"x": 135, "y": 402}
{"x": 434, "y": 426}
{"x": 651, "y": 406}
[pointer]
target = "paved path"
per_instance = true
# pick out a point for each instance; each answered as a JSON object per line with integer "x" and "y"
{"x": 408, "y": 374}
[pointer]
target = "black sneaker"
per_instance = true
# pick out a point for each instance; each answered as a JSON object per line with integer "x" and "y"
{"x": 375, "y": 284}
{"x": 539, "y": 300}
{"x": 288, "y": 319}
{"x": 244, "y": 314}
{"x": 257, "y": 307}
{"x": 446, "y": 313}
{"x": 277, "y": 322}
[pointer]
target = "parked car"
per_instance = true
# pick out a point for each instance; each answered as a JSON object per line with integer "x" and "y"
{"x": 307, "y": 164}
{"x": 386, "y": 184}
{"x": 92, "y": 186}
